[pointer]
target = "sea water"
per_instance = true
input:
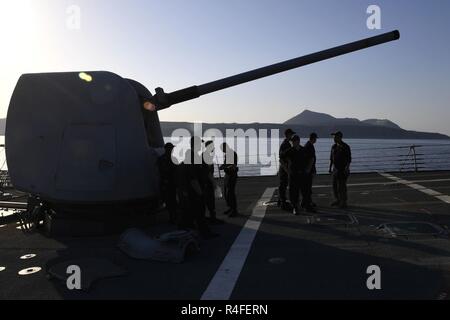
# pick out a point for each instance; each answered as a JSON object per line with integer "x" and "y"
{"x": 260, "y": 156}
{"x": 369, "y": 155}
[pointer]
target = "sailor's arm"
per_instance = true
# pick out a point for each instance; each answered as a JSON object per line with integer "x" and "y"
{"x": 349, "y": 155}
{"x": 331, "y": 162}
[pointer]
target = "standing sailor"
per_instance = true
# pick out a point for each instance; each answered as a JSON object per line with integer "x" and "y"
{"x": 209, "y": 182}
{"x": 231, "y": 175}
{"x": 168, "y": 181}
{"x": 340, "y": 160}
{"x": 296, "y": 159}
{"x": 194, "y": 181}
{"x": 284, "y": 170}
{"x": 311, "y": 171}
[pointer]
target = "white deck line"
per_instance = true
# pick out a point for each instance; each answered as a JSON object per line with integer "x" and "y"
{"x": 395, "y": 181}
{"x": 418, "y": 187}
{"x": 222, "y": 284}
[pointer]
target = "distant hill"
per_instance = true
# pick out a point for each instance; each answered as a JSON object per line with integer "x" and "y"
{"x": 321, "y": 123}
{"x": 311, "y": 118}
{"x": 307, "y": 122}
{"x": 364, "y": 131}
{"x": 354, "y": 128}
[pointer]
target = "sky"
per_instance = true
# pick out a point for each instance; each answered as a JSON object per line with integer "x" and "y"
{"x": 175, "y": 44}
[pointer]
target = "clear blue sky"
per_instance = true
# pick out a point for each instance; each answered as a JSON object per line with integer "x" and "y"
{"x": 175, "y": 44}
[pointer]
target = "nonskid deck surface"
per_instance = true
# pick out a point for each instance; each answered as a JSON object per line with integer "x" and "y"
{"x": 267, "y": 253}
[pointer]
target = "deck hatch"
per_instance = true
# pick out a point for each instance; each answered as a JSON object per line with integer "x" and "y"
{"x": 333, "y": 219}
{"x": 413, "y": 229}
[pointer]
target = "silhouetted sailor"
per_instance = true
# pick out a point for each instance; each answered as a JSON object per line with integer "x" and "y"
{"x": 168, "y": 181}
{"x": 193, "y": 167}
{"x": 284, "y": 170}
{"x": 340, "y": 160}
{"x": 231, "y": 169}
{"x": 310, "y": 170}
{"x": 295, "y": 156}
{"x": 186, "y": 219}
{"x": 209, "y": 185}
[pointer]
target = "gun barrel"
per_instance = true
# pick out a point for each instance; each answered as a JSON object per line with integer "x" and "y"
{"x": 197, "y": 91}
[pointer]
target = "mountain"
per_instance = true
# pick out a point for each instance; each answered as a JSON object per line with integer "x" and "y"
{"x": 307, "y": 122}
{"x": 321, "y": 123}
{"x": 324, "y": 123}
{"x": 364, "y": 131}
{"x": 311, "y": 118}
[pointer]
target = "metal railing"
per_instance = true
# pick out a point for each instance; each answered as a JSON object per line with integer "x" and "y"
{"x": 5, "y": 181}
{"x": 408, "y": 158}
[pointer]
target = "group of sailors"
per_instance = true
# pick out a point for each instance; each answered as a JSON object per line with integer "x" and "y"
{"x": 189, "y": 188}
{"x": 298, "y": 168}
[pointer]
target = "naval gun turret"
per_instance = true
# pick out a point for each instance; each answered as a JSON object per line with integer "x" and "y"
{"x": 85, "y": 141}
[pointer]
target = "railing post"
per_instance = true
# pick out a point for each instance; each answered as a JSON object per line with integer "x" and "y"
{"x": 413, "y": 149}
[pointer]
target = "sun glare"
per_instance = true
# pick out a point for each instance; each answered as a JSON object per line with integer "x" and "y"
{"x": 85, "y": 76}
{"x": 16, "y": 19}
{"x": 18, "y": 32}
{"x": 18, "y": 38}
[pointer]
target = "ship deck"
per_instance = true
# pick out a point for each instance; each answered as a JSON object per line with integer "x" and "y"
{"x": 267, "y": 253}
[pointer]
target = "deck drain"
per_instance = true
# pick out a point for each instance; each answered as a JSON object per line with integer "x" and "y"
{"x": 412, "y": 229}
{"x": 28, "y": 256}
{"x": 2, "y": 269}
{"x": 277, "y": 260}
{"x": 333, "y": 219}
{"x": 28, "y": 271}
